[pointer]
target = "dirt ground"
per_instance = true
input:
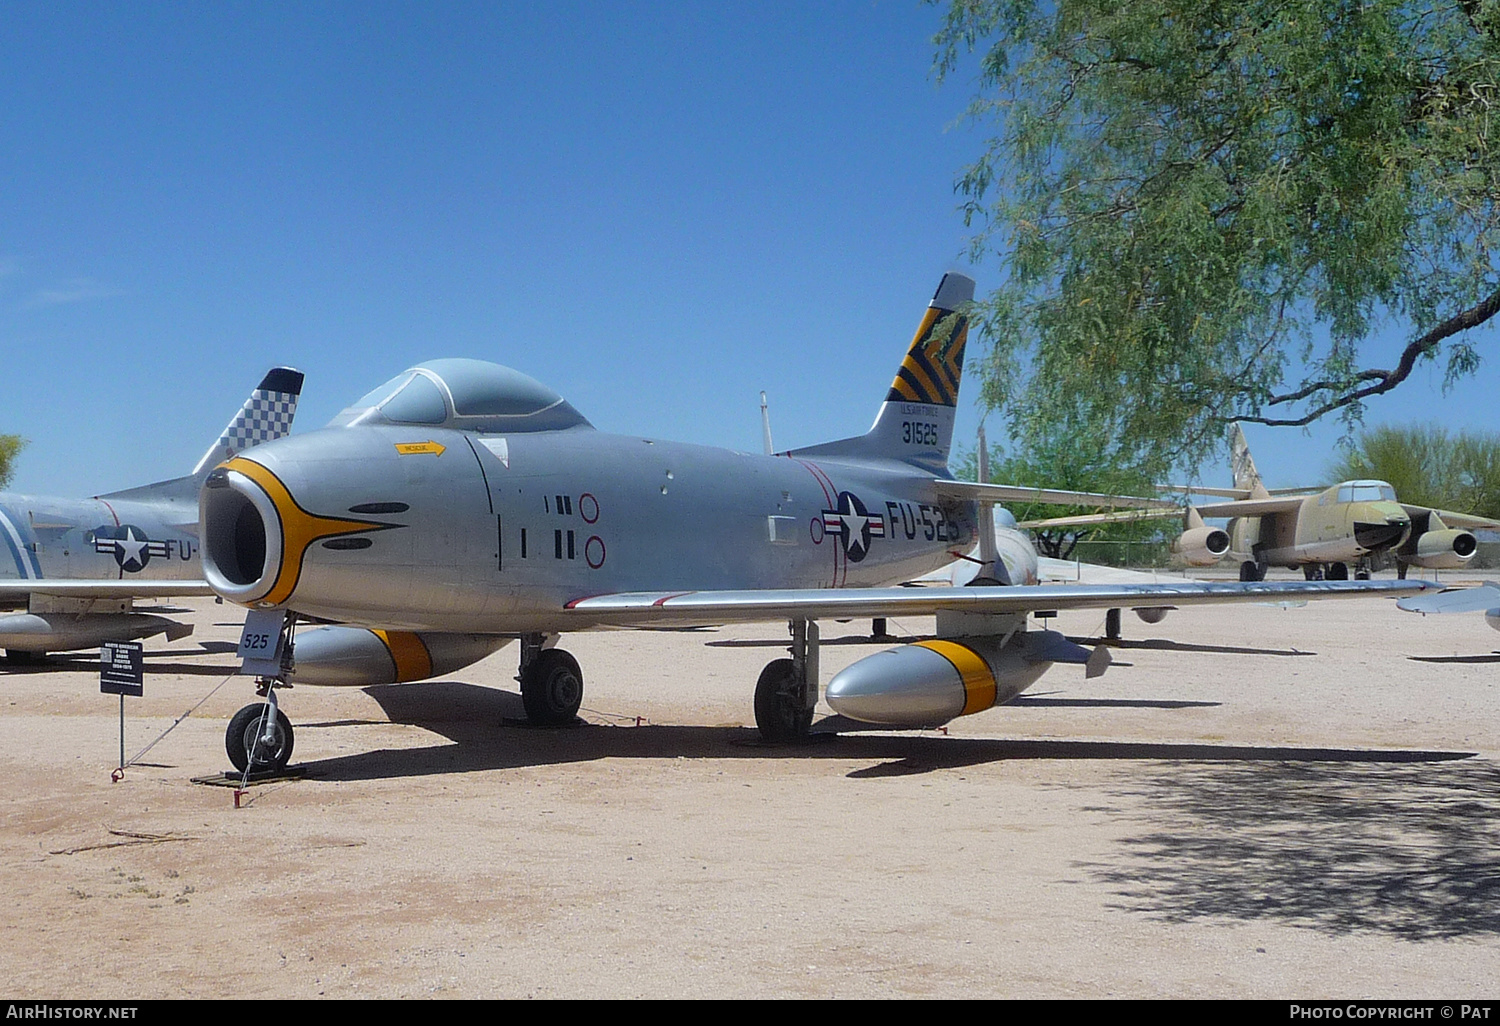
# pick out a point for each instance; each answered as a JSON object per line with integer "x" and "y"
{"x": 1253, "y": 802}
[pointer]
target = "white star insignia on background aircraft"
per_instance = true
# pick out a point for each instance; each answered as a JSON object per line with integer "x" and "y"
{"x": 528, "y": 523}
{"x": 77, "y": 565}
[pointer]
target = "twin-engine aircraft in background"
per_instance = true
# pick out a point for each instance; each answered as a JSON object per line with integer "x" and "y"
{"x": 463, "y": 505}
{"x": 76, "y": 566}
{"x": 1352, "y": 527}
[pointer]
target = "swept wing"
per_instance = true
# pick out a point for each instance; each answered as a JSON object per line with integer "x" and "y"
{"x": 1465, "y": 521}
{"x": 703, "y": 608}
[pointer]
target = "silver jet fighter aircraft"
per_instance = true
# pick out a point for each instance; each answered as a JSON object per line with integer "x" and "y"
{"x": 463, "y": 505}
{"x": 76, "y": 566}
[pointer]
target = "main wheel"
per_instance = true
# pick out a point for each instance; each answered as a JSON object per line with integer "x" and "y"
{"x": 247, "y": 744}
{"x": 1312, "y": 572}
{"x": 552, "y": 689}
{"x": 778, "y": 708}
{"x": 1338, "y": 571}
{"x": 1251, "y": 571}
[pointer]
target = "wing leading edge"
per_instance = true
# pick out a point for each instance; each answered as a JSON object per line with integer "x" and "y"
{"x": 22, "y": 589}
{"x": 705, "y": 608}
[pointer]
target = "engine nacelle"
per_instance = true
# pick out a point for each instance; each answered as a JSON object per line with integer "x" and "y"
{"x": 1447, "y": 549}
{"x": 356, "y": 657}
{"x": 1200, "y": 546}
{"x": 932, "y": 682}
{"x": 65, "y": 632}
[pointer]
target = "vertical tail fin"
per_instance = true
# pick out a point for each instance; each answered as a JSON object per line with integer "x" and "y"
{"x": 1243, "y": 467}
{"x": 934, "y": 362}
{"x": 915, "y": 423}
{"x": 266, "y": 415}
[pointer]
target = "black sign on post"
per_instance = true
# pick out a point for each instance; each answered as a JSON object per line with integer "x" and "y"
{"x": 122, "y": 668}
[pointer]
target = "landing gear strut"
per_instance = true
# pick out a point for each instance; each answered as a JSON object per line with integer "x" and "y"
{"x": 259, "y": 738}
{"x": 551, "y": 683}
{"x": 787, "y": 691}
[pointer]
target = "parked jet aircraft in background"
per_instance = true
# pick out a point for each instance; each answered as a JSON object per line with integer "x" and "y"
{"x": 462, "y": 505}
{"x": 1356, "y": 525}
{"x": 77, "y": 566}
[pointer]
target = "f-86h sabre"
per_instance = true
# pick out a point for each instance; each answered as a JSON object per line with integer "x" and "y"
{"x": 463, "y": 505}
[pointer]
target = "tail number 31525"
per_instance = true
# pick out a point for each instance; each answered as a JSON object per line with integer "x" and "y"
{"x": 916, "y": 432}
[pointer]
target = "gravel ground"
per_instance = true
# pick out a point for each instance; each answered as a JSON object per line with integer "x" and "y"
{"x": 1253, "y": 802}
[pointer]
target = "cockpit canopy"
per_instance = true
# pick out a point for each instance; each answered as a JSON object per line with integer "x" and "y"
{"x": 467, "y": 395}
{"x": 1361, "y": 491}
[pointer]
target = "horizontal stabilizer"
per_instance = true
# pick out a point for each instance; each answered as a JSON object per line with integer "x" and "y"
{"x": 999, "y": 493}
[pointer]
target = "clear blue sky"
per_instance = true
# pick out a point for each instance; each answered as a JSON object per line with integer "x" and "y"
{"x": 659, "y": 209}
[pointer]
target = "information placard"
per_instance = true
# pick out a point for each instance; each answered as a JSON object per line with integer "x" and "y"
{"x": 122, "y": 668}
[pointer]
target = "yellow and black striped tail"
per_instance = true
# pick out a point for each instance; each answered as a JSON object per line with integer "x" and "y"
{"x": 934, "y": 363}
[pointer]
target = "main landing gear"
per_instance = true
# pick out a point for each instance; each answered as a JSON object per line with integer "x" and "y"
{"x": 551, "y": 682}
{"x": 787, "y": 691}
{"x": 1337, "y": 571}
{"x": 1252, "y": 571}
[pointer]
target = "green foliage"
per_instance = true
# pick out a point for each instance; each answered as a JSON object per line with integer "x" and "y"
{"x": 1204, "y": 210}
{"x": 1073, "y": 464}
{"x": 1428, "y": 466}
{"x": 10, "y": 448}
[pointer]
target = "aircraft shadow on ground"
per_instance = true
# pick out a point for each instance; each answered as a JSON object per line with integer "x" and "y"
{"x": 1410, "y": 851}
{"x": 486, "y": 731}
{"x": 1493, "y": 657}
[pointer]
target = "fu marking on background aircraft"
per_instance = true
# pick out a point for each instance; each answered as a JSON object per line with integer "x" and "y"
{"x": 463, "y": 505}
{"x": 76, "y": 566}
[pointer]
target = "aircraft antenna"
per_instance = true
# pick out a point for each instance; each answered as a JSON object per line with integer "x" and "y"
{"x": 765, "y": 423}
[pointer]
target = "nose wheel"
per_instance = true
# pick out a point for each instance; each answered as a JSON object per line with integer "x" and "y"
{"x": 259, "y": 739}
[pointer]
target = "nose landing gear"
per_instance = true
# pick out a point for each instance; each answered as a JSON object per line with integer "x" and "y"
{"x": 259, "y": 738}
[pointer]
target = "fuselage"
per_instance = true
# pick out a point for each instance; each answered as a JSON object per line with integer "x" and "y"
{"x": 44, "y": 538}
{"x": 1342, "y": 524}
{"x": 419, "y": 528}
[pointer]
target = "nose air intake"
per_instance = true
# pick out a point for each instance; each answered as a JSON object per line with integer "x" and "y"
{"x": 241, "y": 536}
{"x": 256, "y": 535}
